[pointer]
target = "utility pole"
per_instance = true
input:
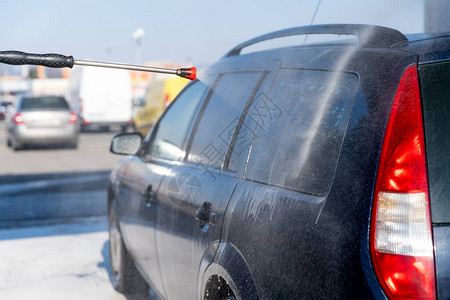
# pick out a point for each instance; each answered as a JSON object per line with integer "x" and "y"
{"x": 138, "y": 34}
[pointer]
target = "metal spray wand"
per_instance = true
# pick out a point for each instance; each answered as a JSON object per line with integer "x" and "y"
{"x": 52, "y": 60}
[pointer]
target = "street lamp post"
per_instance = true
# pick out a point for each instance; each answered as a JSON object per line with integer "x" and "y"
{"x": 137, "y": 36}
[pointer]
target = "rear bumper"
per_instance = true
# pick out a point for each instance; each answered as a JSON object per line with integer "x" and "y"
{"x": 45, "y": 136}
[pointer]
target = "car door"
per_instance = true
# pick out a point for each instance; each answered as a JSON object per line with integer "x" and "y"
{"x": 277, "y": 219}
{"x": 164, "y": 146}
{"x": 194, "y": 195}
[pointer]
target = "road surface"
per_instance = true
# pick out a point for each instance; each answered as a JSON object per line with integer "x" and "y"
{"x": 66, "y": 261}
{"x": 42, "y": 184}
{"x": 92, "y": 155}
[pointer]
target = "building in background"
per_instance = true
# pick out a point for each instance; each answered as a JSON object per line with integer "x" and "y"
{"x": 35, "y": 80}
{"x": 38, "y": 80}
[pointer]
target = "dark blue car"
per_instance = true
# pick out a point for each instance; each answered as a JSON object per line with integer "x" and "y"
{"x": 319, "y": 171}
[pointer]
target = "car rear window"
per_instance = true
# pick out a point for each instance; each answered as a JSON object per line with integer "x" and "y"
{"x": 44, "y": 103}
{"x": 300, "y": 130}
{"x": 435, "y": 83}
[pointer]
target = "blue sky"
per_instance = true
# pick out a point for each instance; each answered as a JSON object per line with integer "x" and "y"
{"x": 199, "y": 31}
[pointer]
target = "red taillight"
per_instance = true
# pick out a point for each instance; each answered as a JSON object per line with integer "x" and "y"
{"x": 18, "y": 119}
{"x": 400, "y": 239}
{"x": 73, "y": 118}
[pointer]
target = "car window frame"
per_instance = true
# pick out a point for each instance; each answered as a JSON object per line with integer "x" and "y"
{"x": 149, "y": 139}
{"x": 235, "y": 67}
{"x": 241, "y": 120}
{"x": 201, "y": 113}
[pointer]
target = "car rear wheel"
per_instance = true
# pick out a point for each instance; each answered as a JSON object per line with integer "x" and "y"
{"x": 218, "y": 289}
{"x": 13, "y": 145}
{"x": 74, "y": 144}
{"x": 124, "y": 275}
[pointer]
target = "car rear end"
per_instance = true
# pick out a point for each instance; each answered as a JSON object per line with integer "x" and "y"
{"x": 382, "y": 229}
{"x": 410, "y": 214}
{"x": 307, "y": 236}
{"x": 4, "y": 109}
{"x": 435, "y": 84}
{"x": 43, "y": 121}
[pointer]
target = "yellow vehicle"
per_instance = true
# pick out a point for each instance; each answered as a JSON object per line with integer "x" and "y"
{"x": 159, "y": 95}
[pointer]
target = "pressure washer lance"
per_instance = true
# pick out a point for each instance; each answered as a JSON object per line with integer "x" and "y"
{"x": 52, "y": 60}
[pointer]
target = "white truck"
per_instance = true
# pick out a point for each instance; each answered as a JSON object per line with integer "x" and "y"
{"x": 101, "y": 97}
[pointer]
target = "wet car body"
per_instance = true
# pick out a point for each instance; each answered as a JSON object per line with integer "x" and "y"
{"x": 42, "y": 121}
{"x": 266, "y": 198}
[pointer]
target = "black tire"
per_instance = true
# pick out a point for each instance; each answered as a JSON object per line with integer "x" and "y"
{"x": 84, "y": 128}
{"x": 74, "y": 144}
{"x": 218, "y": 289}
{"x": 124, "y": 275}
{"x": 14, "y": 146}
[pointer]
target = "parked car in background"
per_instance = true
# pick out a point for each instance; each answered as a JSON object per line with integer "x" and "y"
{"x": 101, "y": 97}
{"x": 138, "y": 102}
{"x": 159, "y": 95}
{"x": 42, "y": 120}
{"x": 4, "y": 105}
{"x": 318, "y": 171}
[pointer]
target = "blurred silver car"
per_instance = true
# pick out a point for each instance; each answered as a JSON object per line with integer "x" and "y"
{"x": 42, "y": 120}
{"x": 4, "y": 108}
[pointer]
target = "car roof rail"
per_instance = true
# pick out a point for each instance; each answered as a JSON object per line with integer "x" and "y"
{"x": 372, "y": 36}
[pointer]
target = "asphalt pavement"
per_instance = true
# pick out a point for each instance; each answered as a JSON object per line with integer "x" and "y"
{"x": 54, "y": 185}
{"x": 92, "y": 155}
{"x": 53, "y": 229}
{"x": 66, "y": 261}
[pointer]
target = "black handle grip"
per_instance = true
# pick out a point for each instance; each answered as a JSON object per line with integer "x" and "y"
{"x": 47, "y": 60}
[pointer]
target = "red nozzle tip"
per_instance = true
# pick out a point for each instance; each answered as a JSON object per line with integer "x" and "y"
{"x": 189, "y": 73}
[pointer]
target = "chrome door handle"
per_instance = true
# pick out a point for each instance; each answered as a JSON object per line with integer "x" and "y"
{"x": 205, "y": 215}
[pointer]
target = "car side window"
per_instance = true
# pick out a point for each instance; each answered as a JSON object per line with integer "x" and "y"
{"x": 217, "y": 123}
{"x": 300, "y": 130}
{"x": 169, "y": 135}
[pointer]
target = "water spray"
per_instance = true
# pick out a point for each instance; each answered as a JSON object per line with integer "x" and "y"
{"x": 52, "y": 60}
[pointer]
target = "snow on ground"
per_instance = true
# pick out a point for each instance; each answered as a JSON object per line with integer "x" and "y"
{"x": 66, "y": 261}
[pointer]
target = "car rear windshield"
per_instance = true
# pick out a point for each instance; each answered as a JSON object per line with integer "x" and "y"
{"x": 44, "y": 103}
{"x": 435, "y": 82}
{"x": 301, "y": 129}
